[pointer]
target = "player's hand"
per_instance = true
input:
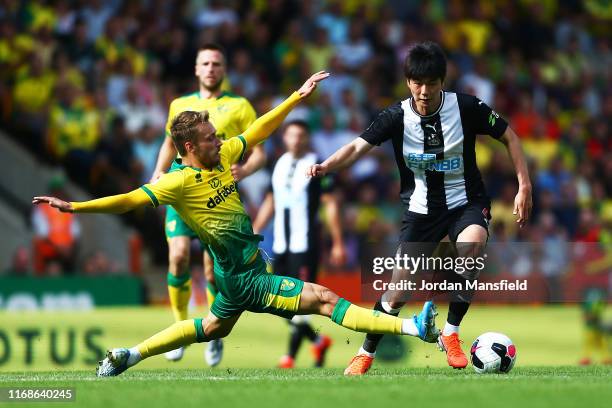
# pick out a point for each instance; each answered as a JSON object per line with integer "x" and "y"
{"x": 54, "y": 202}
{"x": 337, "y": 256}
{"x": 156, "y": 175}
{"x": 316, "y": 170}
{"x": 238, "y": 172}
{"x": 522, "y": 206}
{"x": 311, "y": 83}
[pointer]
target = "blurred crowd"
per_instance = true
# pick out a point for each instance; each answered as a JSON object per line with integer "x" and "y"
{"x": 86, "y": 84}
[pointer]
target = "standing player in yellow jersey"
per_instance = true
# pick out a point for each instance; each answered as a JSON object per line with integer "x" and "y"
{"x": 204, "y": 194}
{"x": 231, "y": 115}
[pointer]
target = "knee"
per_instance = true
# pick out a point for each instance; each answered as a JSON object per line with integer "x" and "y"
{"x": 214, "y": 333}
{"x": 179, "y": 256}
{"x": 328, "y": 301}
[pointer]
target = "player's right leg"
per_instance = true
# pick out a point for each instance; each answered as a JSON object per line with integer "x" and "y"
{"x": 317, "y": 299}
{"x": 180, "y": 334}
{"x": 179, "y": 237}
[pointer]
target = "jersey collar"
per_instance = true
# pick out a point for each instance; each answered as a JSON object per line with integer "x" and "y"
{"x": 182, "y": 166}
{"x": 221, "y": 95}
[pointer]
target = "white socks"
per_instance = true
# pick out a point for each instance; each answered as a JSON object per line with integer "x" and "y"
{"x": 449, "y": 329}
{"x": 409, "y": 327}
{"x": 363, "y": 352}
{"x": 389, "y": 309}
{"x": 134, "y": 357}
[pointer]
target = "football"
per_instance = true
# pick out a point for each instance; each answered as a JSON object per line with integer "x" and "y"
{"x": 493, "y": 353}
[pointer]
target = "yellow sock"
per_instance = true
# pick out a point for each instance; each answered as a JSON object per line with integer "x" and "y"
{"x": 179, "y": 334}
{"x": 179, "y": 290}
{"x": 211, "y": 293}
{"x": 589, "y": 342}
{"x": 605, "y": 347}
{"x": 365, "y": 320}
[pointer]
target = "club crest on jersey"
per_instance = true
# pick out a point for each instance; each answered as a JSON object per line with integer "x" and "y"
{"x": 221, "y": 195}
{"x": 433, "y": 140}
{"x": 214, "y": 183}
{"x": 220, "y": 168}
{"x": 198, "y": 178}
{"x": 286, "y": 285}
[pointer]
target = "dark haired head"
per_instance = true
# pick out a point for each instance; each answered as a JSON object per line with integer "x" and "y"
{"x": 425, "y": 60}
{"x": 299, "y": 123}
{"x": 212, "y": 46}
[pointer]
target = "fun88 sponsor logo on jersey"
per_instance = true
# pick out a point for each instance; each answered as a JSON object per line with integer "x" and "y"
{"x": 427, "y": 161}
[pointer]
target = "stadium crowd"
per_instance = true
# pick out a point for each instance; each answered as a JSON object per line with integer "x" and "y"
{"x": 87, "y": 84}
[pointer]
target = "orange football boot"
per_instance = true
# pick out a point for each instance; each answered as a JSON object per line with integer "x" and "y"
{"x": 454, "y": 355}
{"x": 359, "y": 365}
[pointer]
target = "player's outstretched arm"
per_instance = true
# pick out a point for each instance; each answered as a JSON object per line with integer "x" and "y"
{"x": 523, "y": 201}
{"x": 344, "y": 157}
{"x": 117, "y": 204}
{"x": 265, "y": 125}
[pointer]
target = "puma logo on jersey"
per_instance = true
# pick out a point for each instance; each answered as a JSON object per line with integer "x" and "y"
{"x": 432, "y": 126}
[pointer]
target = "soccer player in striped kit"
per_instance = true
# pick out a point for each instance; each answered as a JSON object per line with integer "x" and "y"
{"x": 433, "y": 133}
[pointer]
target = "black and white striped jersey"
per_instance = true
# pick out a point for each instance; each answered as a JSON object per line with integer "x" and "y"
{"x": 296, "y": 203}
{"x": 436, "y": 154}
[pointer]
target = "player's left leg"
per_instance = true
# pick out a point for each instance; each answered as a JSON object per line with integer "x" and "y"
{"x": 214, "y": 349}
{"x": 180, "y": 334}
{"x": 470, "y": 242}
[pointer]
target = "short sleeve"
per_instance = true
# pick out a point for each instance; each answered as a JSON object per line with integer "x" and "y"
{"x": 166, "y": 190}
{"x": 486, "y": 121}
{"x": 248, "y": 115}
{"x": 170, "y": 117}
{"x": 234, "y": 149}
{"x": 384, "y": 126}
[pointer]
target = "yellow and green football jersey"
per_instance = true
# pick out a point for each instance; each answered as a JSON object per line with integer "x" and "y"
{"x": 229, "y": 113}
{"x": 208, "y": 201}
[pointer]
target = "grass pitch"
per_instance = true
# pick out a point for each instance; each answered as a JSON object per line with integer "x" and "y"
{"x": 411, "y": 387}
{"x": 548, "y": 341}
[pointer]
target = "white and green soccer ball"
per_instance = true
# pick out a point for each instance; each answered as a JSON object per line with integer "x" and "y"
{"x": 493, "y": 353}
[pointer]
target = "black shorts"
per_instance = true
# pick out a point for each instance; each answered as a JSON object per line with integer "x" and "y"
{"x": 302, "y": 265}
{"x": 434, "y": 227}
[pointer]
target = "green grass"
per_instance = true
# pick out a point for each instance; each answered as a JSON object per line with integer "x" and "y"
{"x": 548, "y": 340}
{"x": 561, "y": 386}
{"x": 544, "y": 336}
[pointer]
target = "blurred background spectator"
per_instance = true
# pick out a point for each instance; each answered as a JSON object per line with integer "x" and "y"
{"x": 56, "y": 235}
{"x": 87, "y": 84}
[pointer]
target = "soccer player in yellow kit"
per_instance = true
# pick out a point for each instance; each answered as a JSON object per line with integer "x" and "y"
{"x": 203, "y": 192}
{"x": 231, "y": 115}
